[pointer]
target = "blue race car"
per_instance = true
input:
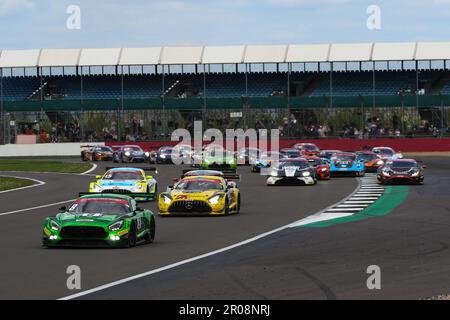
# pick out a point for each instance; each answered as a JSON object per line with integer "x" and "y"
{"x": 264, "y": 160}
{"x": 346, "y": 164}
{"x": 132, "y": 182}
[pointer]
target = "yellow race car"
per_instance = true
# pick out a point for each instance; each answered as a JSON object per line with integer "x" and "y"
{"x": 200, "y": 195}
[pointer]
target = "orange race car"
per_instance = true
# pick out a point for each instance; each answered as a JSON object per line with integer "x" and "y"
{"x": 371, "y": 160}
{"x": 96, "y": 153}
{"x": 321, "y": 167}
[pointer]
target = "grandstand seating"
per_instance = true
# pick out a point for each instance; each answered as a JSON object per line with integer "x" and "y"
{"x": 225, "y": 85}
{"x": 19, "y": 88}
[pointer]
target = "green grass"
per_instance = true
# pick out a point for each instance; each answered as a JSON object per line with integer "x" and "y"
{"x": 42, "y": 166}
{"x": 7, "y": 183}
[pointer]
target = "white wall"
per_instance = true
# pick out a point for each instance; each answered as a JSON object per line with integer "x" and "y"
{"x": 42, "y": 150}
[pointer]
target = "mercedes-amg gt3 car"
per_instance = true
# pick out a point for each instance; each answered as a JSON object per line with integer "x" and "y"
{"x": 99, "y": 220}
{"x": 200, "y": 195}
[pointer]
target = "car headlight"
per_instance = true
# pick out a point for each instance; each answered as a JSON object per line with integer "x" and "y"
{"x": 380, "y": 162}
{"x": 386, "y": 173}
{"x": 231, "y": 161}
{"x": 274, "y": 173}
{"x": 215, "y": 199}
{"x": 116, "y": 226}
{"x": 323, "y": 170}
{"x": 415, "y": 173}
{"x": 306, "y": 174}
{"x": 127, "y": 154}
{"x": 147, "y": 154}
{"x": 167, "y": 199}
{"x": 207, "y": 161}
{"x": 163, "y": 156}
{"x": 54, "y": 226}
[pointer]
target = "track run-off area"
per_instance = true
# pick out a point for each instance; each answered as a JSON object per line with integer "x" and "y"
{"x": 353, "y": 223}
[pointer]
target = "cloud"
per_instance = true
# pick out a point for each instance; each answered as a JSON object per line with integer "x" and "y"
{"x": 11, "y": 6}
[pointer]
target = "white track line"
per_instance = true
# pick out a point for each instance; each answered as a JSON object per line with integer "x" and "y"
{"x": 353, "y": 205}
{"x": 345, "y": 209}
{"x": 35, "y": 208}
{"x": 38, "y": 184}
{"x": 94, "y": 166}
{"x": 357, "y": 202}
{"x": 60, "y": 173}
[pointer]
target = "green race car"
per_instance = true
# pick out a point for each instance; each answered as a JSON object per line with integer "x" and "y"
{"x": 109, "y": 220}
{"x": 219, "y": 160}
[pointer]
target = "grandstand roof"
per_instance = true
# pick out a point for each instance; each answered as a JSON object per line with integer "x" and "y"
{"x": 226, "y": 54}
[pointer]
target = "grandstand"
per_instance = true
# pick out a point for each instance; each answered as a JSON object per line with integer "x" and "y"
{"x": 286, "y": 77}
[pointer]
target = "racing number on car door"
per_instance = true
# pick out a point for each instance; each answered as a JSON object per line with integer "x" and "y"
{"x": 139, "y": 223}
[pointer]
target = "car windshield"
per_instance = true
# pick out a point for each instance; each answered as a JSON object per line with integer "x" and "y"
{"x": 342, "y": 158}
{"x": 131, "y": 149}
{"x": 219, "y": 153}
{"x": 123, "y": 175}
{"x": 403, "y": 165}
{"x": 267, "y": 155}
{"x": 198, "y": 185}
{"x": 316, "y": 162}
{"x": 367, "y": 156}
{"x": 100, "y": 205}
{"x": 291, "y": 153}
{"x": 327, "y": 154}
{"x": 104, "y": 149}
{"x": 299, "y": 164}
{"x": 166, "y": 150}
{"x": 248, "y": 151}
{"x": 309, "y": 147}
{"x": 388, "y": 152}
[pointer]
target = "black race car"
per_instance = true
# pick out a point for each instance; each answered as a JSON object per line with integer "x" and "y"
{"x": 164, "y": 155}
{"x": 401, "y": 171}
{"x": 130, "y": 153}
{"x": 291, "y": 172}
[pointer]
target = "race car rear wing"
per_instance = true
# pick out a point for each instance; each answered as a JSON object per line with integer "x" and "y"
{"x": 132, "y": 195}
{"x": 148, "y": 169}
{"x": 228, "y": 174}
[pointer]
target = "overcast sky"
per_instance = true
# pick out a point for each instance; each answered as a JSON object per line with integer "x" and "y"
{"x": 146, "y": 23}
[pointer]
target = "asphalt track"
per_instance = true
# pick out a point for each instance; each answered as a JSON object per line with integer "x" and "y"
{"x": 410, "y": 245}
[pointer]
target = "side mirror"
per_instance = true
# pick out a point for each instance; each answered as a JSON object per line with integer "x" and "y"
{"x": 424, "y": 166}
{"x": 98, "y": 177}
{"x": 170, "y": 187}
{"x": 63, "y": 209}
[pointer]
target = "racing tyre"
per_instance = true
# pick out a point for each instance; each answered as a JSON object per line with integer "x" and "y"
{"x": 227, "y": 207}
{"x": 150, "y": 237}
{"x": 132, "y": 237}
{"x": 238, "y": 206}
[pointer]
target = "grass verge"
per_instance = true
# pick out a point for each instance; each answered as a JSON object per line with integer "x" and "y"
{"x": 42, "y": 166}
{"x": 7, "y": 183}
